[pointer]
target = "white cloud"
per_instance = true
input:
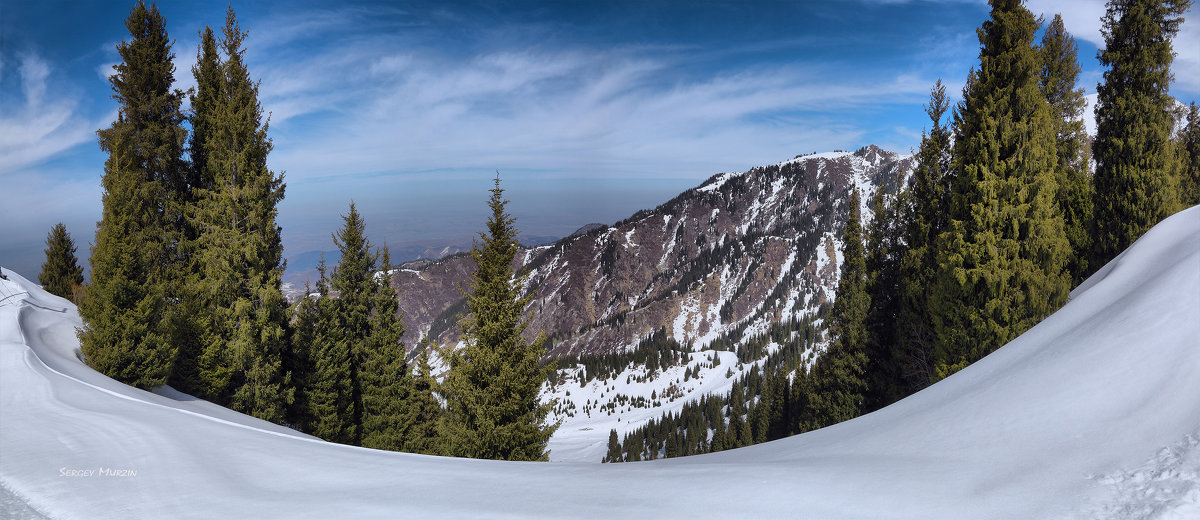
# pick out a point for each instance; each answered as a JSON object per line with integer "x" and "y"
{"x": 43, "y": 126}
{"x": 1082, "y": 18}
{"x": 572, "y": 112}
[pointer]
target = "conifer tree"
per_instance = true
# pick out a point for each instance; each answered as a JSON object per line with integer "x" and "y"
{"x": 838, "y": 377}
{"x": 921, "y": 211}
{"x": 1001, "y": 259}
{"x": 1060, "y": 69}
{"x": 238, "y": 252}
{"x": 614, "y": 447}
{"x": 884, "y": 254}
{"x": 131, "y": 310}
{"x": 493, "y": 383}
{"x": 387, "y": 384}
{"x": 1189, "y": 158}
{"x": 337, "y": 394}
{"x": 1135, "y": 184}
{"x": 422, "y": 410}
{"x": 298, "y": 362}
{"x": 61, "y": 271}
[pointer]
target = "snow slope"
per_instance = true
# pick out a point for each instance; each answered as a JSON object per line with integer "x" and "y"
{"x": 1094, "y": 413}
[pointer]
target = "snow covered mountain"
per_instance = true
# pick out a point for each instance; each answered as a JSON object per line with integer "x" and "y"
{"x": 741, "y": 250}
{"x": 712, "y": 270}
{"x": 1094, "y": 413}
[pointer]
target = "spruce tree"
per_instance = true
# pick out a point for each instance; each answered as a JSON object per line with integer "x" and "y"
{"x": 493, "y": 383}
{"x": 132, "y": 307}
{"x": 921, "y": 214}
{"x": 839, "y": 382}
{"x": 298, "y": 362}
{"x": 337, "y": 394}
{"x": 1060, "y": 69}
{"x": 1189, "y": 158}
{"x": 1135, "y": 184}
{"x": 238, "y": 253}
{"x": 885, "y": 251}
{"x": 61, "y": 272}
{"x": 614, "y": 448}
{"x": 422, "y": 410}
{"x": 1001, "y": 259}
{"x": 387, "y": 384}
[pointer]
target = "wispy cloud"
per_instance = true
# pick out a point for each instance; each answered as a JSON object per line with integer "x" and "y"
{"x": 39, "y": 127}
{"x": 1082, "y": 18}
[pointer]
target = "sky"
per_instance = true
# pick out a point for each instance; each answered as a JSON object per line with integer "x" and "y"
{"x": 589, "y": 111}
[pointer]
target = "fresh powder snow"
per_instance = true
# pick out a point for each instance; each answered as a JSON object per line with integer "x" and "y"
{"x": 1094, "y": 413}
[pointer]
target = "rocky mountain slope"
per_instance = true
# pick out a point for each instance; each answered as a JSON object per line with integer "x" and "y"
{"x": 738, "y": 252}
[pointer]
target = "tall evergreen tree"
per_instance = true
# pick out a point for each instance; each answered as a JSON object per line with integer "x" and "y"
{"x": 839, "y": 382}
{"x": 337, "y": 394}
{"x": 387, "y": 384}
{"x": 1189, "y": 157}
{"x": 1060, "y": 69}
{"x": 1135, "y": 165}
{"x": 493, "y": 383}
{"x": 307, "y": 326}
{"x": 422, "y": 410}
{"x": 614, "y": 448}
{"x": 884, "y": 255}
{"x": 61, "y": 271}
{"x": 921, "y": 210}
{"x": 238, "y": 252}
{"x": 1001, "y": 258}
{"x": 132, "y": 307}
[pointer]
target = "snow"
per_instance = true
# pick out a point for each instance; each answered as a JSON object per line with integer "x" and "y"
{"x": 1094, "y": 413}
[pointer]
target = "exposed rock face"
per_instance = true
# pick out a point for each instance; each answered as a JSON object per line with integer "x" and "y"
{"x": 741, "y": 250}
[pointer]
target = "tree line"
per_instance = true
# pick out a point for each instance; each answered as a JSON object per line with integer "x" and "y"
{"x": 1002, "y": 215}
{"x": 186, "y": 274}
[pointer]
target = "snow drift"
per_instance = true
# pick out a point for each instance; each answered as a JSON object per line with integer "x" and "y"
{"x": 1094, "y": 413}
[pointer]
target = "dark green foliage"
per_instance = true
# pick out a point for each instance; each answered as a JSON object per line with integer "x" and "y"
{"x": 132, "y": 309}
{"x": 885, "y": 252}
{"x": 493, "y": 384}
{"x": 337, "y": 393}
{"x": 238, "y": 254}
{"x": 763, "y": 405}
{"x": 422, "y": 410}
{"x": 1189, "y": 158}
{"x": 839, "y": 375}
{"x": 1060, "y": 69}
{"x": 1000, "y": 261}
{"x": 1135, "y": 184}
{"x": 386, "y": 382}
{"x": 614, "y": 448}
{"x": 61, "y": 271}
{"x": 921, "y": 210}
{"x": 298, "y": 358}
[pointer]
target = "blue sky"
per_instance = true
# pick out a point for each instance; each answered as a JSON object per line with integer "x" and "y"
{"x": 589, "y": 110}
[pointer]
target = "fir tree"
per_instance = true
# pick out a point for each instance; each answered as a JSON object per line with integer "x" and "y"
{"x": 337, "y": 395}
{"x": 387, "y": 385}
{"x": 132, "y": 308}
{"x": 921, "y": 210}
{"x": 838, "y": 377}
{"x": 1060, "y": 69}
{"x": 1000, "y": 261}
{"x": 885, "y": 253}
{"x": 298, "y": 362}
{"x": 1135, "y": 165}
{"x": 614, "y": 447}
{"x": 422, "y": 410}
{"x": 493, "y": 383}
{"x": 1189, "y": 152}
{"x": 238, "y": 253}
{"x": 61, "y": 272}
